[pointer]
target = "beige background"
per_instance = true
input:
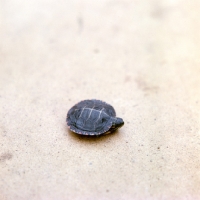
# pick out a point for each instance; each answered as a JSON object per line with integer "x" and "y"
{"x": 141, "y": 56}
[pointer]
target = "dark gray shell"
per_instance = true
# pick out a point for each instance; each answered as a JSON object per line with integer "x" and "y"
{"x": 90, "y": 117}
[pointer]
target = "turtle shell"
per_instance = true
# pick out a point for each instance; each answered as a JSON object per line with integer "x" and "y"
{"x": 90, "y": 117}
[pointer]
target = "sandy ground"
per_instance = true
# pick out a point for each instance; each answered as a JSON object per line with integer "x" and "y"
{"x": 141, "y": 56}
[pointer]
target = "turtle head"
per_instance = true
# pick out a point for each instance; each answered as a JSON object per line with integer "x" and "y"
{"x": 117, "y": 123}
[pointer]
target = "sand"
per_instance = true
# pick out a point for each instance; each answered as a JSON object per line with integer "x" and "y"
{"x": 142, "y": 57}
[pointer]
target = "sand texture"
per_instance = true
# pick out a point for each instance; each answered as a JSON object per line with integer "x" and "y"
{"x": 142, "y": 57}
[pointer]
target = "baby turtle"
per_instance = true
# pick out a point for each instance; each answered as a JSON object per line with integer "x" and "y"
{"x": 93, "y": 117}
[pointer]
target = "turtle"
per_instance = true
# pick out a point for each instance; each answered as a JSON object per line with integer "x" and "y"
{"x": 93, "y": 117}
